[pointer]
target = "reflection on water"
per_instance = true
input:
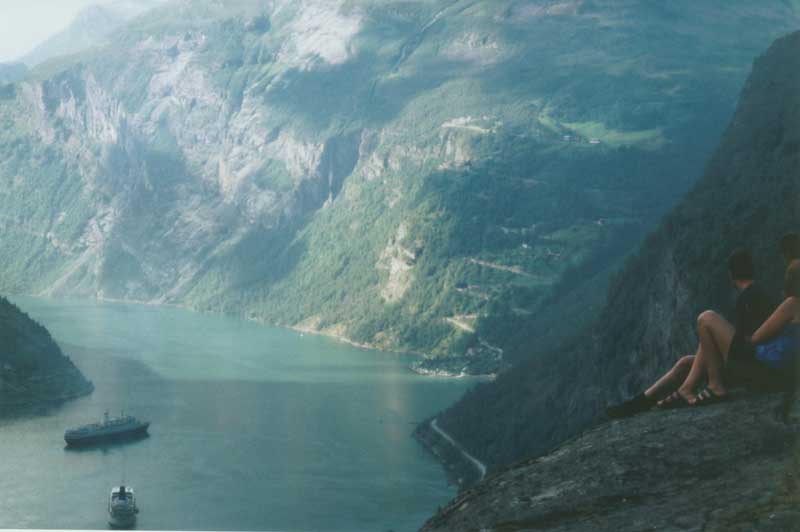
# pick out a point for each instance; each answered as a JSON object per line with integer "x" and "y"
{"x": 252, "y": 428}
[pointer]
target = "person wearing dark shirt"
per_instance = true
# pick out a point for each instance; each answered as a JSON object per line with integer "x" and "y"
{"x": 753, "y": 307}
{"x": 719, "y": 340}
{"x": 775, "y": 342}
{"x": 743, "y": 367}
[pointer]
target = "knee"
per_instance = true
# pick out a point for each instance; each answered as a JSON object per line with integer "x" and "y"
{"x": 682, "y": 365}
{"x": 705, "y": 318}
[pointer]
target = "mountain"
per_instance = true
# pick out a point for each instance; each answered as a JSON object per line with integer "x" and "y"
{"x": 726, "y": 468}
{"x": 426, "y": 176}
{"x": 33, "y": 370}
{"x": 12, "y": 72}
{"x": 92, "y": 26}
{"x": 747, "y": 197}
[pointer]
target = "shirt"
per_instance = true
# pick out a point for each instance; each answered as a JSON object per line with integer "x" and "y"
{"x": 753, "y": 307}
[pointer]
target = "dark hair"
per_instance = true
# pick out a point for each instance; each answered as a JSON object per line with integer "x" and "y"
{"x": 740, "y": 265}
{"x": 790, "y": 246}
{"x": 791, "y": 282}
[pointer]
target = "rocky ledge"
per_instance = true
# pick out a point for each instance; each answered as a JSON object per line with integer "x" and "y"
{"x": 727, "y": 467}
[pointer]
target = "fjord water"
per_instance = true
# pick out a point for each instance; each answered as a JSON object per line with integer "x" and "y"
{"x": 253, "y": 428}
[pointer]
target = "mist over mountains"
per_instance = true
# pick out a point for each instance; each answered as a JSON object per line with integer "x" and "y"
{"x": 435, "y": 177}
{"x": 12, "y": 72}
{"x": 92, "y": 26}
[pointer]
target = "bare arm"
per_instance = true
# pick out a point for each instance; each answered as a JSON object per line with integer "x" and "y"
{"x": 782, "y": 316}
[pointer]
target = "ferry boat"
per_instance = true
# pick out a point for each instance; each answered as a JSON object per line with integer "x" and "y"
{"x": 122, "y": 507}
{"x": 111, "y": 428}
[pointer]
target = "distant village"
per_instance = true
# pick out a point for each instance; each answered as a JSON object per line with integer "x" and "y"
{"x": 572, "y": 138}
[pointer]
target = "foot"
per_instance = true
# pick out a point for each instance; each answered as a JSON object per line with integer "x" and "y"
{"x": 709, "y": 396}
{"x": 675, "y": 400}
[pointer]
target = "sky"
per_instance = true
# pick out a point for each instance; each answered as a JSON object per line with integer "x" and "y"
{"x": 26, "y": 23}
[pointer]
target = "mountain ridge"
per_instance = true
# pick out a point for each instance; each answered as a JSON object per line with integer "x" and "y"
{"x": 90, "y": 27}
{"x": 410, "y": 176}
{"x": 12, "y": 72}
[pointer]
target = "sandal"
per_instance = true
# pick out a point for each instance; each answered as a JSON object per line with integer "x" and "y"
{"x": 673, "y": 400}
{"x": 709, "y": 397}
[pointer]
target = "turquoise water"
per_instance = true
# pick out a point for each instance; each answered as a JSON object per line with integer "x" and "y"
{"x": 253, "y": 428}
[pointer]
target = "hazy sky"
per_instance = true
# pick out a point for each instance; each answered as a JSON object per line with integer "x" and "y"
{"x": 26, "y": 23}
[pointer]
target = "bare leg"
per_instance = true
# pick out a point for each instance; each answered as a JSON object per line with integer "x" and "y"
{"x": 715, "y": 335}
{"x": 674, "y": 376}
{"x": 645, "y": 401}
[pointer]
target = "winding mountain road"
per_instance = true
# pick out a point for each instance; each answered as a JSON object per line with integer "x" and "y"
{"x": 477, "y": 463}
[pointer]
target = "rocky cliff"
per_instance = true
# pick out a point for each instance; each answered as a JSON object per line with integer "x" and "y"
{"x": 729, "y": 467}
{"x": 425, "y": 176}
{"x": 749, "y": 196}
{"x": 33, "y": 370}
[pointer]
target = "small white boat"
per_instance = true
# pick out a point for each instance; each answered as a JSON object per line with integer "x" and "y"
{"x": 122, "y": 507}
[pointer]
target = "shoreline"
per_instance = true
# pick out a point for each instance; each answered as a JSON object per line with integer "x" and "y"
{"x": 75, "y": 384}
{"x": 301, "y": 329}
{"x": 460, "y": 468}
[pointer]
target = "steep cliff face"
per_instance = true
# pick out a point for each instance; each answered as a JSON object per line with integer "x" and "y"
{"x": 33, "y": 370}
{"x": 749, "y": 196}
{"x": 413, "y": 175}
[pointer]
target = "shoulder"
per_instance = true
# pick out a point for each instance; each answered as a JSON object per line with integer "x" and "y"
{"x": 792, "y": 302}
{"x": 790, "y": 306}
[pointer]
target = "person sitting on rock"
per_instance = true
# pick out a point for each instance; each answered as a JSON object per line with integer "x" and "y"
{"x": 790, "y": 249}
{"x": 775, "y": 343}
{"x": 719, "y": 341}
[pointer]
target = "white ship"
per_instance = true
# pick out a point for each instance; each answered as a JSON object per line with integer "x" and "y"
{"x": 122, "y": 507}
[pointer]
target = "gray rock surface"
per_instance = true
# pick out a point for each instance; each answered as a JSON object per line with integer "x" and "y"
{"x": 726, "y": 467}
